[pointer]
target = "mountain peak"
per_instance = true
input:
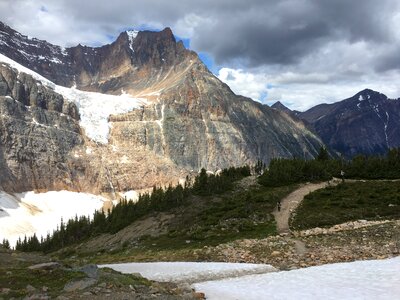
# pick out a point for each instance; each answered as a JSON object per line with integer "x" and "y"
{"x": 278, "y": 105}
{"x": 132, "y": 34}
{"x": 367, "y": 94}
{"x": 365, "y": 123}
{"x": 164, "y": 36}
{"x": 281, "y": 107}
{"x": 167, "y": 31}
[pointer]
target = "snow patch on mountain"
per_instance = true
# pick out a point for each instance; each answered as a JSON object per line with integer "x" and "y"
{"x": 94, "y": 108}
{"x": 40, "y": 213}
{"x": 22, "y": 69}
{"x": 132, "y": 34}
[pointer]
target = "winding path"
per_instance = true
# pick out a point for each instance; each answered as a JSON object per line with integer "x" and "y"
{"x": 292, "y": 201}
{"x": 289, "y": 204}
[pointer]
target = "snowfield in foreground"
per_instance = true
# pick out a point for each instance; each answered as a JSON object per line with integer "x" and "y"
{"x": 190, "y": 271}
{"x": 373, "y": 279}
{"x": 40, "y": 213}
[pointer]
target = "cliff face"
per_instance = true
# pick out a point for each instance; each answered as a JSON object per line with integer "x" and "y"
{"x": 199, "y": 122}
{"x": 42, "y": 146}
{"x": 38, "y": 129}
{"x": 191, "y": 119}
{"x": 367, "y": 123}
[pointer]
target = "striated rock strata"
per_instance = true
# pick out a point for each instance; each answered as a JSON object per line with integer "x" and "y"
{"x": 192, "y": 119}
{"x": 42, "y": 146}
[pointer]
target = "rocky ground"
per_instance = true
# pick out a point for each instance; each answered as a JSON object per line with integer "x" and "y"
{"x": 34, "y": 276}
{"x": 351, "y": 241}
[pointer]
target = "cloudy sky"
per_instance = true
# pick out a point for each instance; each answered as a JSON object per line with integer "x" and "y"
{"x": 300, "y": 52}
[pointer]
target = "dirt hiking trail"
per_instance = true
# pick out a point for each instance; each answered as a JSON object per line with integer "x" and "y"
{"x": 292, "y": 201}
{"x": 289, "y": 204}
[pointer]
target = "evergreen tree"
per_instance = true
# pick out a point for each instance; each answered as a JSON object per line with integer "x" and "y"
{"x": 126, "y": 212}
{"x": 259, "y": 167}
{"x": 6, "y": 244}
{"x": 323, "y": 154}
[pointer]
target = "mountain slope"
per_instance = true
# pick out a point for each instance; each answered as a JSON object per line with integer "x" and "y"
{"x": 43, "y": 145}
{"x": 281, "y": 107}
{"x": 188, "y": 118}
{"x": 366, "y": 123}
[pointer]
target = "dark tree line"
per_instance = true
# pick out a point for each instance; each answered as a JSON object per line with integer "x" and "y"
{"x": 289, "y": 171}
{"x": 209, "y": 184}
{"x": 126, "y": 212}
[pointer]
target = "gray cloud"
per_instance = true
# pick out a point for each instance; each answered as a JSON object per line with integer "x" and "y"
{"x": 289, "y": 42}
{"x": 389, "y": 61}
{"x": 285, "y": 32}
{"x": 248, "y": 33}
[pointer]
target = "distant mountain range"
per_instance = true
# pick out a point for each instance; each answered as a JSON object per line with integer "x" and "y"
{"x": 367, "y": 123}
{"x": 145, "y": 111}
{"x": 165, "y": 115}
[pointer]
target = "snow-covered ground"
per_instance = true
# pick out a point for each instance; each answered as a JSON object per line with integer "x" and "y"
{"x": 373, "y": 279}
{"x": 190, "y": 271}
{"x": 94, "y": 108}
{"x": 40, "y": 213}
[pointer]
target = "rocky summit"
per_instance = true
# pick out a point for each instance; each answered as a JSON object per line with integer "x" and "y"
{"x": 367, "y": 123}
{"x": 188, "y": 119}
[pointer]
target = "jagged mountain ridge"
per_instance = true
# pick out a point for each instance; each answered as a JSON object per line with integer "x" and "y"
{"x": 192, "y": 119}
{"x": 368, "y": 123}
{"x": 129, "y": 63}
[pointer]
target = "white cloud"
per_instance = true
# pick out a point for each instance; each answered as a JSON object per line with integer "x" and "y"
{"x": 331, "y": 73}
{"x": 190, "y": 23}
{"x": 301, "y": 97}
{"x": 244, "y": 83}
{"x": 302, "y": 91}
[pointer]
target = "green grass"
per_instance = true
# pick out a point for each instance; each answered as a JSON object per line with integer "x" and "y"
{"x": 234, "y": 215}
{"x": 112, "y": 277}
{"x": 18, "y": 278}
{"x": 372, "y": 200}
{"x": 206, "y": 221}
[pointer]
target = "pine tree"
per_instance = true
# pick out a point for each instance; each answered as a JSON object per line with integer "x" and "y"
{"x": 323, "y": 154}
{"x": 6, "y": 244}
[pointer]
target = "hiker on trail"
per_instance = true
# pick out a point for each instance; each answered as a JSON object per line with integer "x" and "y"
{"x": 342, "y": 174}
{"x": 279, "y": 205}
